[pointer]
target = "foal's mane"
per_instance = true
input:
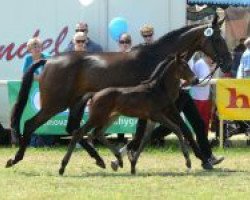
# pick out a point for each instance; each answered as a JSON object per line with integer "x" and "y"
{"x": 160, "y": 70}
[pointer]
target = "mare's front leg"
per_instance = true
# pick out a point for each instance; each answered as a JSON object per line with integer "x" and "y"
{"x": 74, "y": 120}
{"x": 29, "y": 127}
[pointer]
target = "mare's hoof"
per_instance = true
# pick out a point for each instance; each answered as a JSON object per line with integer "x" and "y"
{"x": 207, "y": 166}
{"x": 131, "y": 155}
{"x": 188, "y": 164}
{"x": 61, "y": 171}
{"x": 101, "y": 164}
{"x": 133, "y": 171}
{"x": 9, "y": 163}
{"x": 114, "y": 165}
{"x": 120, "y": 161}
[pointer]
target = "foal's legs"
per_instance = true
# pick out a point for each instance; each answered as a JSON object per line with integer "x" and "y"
{"x": 29, "y": 127}
{"x": 98, "y": 134}
{"x": 173, "y": 126}
{"x": 133, "y": 145}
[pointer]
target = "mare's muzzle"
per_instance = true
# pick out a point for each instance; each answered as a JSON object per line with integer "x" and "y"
{"x": 195, "y": 81}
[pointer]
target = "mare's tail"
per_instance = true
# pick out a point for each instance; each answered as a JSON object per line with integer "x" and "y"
{"x": 22, "y": 98}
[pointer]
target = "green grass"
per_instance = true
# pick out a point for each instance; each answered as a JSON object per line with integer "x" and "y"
{"x": 161, "y": 174}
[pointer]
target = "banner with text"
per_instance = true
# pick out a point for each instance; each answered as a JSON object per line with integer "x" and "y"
{"x": 233, "y": 99}
{"x": 57, "y": 124}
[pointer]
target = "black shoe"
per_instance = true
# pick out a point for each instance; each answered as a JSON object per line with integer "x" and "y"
{"x": 207, "y": 166}
{"x": 215, "y": 160}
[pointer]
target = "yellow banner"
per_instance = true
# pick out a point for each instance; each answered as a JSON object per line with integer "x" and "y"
{"x": 233, "y": 99}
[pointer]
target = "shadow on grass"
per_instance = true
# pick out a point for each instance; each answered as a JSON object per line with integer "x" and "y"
{"x": 218, "y": 172}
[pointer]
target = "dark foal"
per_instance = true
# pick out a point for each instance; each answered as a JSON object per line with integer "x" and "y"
{"x": 81, "y": 74}
{"x": 155, "y": 97}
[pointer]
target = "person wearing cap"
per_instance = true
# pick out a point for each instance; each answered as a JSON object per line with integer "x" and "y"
{"x": 244, "y": 68}
{"x": 91, "y": 46}
{"x": 125, "y": 42}
{"x": 34, "y": 46}
{"x": 147, "y": 32}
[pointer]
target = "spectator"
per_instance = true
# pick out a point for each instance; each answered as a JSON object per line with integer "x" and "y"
{"x": 237, "y": 53}
{"x": 147, "y": 32}
{"x": 244, "y": 67}
{"x": 91, "y": 46}
{"x": 34, "y": 47}
{"x": 201, "y": 94}
{"x": 79, "y": 41}
{"x": 125, "y": 42}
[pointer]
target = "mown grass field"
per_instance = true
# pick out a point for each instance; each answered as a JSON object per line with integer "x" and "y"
{"x": 161, "y": 175}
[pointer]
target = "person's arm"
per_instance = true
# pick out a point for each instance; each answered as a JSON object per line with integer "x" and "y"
{"x": 240, "y": 70}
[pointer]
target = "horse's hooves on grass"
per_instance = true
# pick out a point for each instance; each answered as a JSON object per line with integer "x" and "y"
{"x": 101, "y": 164}
{"x": 133, "y": 171}
{"x": 188, "y": 164}
{"x": 120, "y": 161}
{"x": 9, "y": 163}
{"x": 114, "y": 165}
{"x": 131, "y": 156}
{"x": 61, "y": 171}
{"x": 207, "y": 166}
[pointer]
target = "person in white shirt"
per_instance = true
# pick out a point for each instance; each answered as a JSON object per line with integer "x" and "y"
{"x": 201, "y": 94}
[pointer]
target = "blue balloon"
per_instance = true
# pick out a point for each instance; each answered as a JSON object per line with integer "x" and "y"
{"x": 117, "y": 26}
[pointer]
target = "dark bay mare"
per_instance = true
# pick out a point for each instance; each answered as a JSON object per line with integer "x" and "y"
{"x": 67, "y": 77}
{"x": 156, "y": 99}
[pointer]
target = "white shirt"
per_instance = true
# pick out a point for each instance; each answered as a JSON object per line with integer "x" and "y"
{"x": 244, "y": 67}
{"x": 201, "y": 70}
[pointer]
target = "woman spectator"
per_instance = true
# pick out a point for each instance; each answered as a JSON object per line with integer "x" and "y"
{"x": 125, "y": 42}
{"x": 34, "y": 46}
{"x": 147, "y": 32}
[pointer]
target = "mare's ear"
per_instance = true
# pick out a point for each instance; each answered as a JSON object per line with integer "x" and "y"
{"x": 215, "y": 20}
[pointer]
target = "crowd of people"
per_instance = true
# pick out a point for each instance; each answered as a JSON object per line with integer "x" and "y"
{"x": 195, "y": 103}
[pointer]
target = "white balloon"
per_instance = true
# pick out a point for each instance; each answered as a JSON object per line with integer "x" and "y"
{"x": 86, "y": 2}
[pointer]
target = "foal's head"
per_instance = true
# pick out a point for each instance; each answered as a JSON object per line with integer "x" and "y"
{"x": 175, "y": 70}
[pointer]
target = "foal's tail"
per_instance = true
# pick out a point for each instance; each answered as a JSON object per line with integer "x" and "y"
{"x": 22, "y": 98}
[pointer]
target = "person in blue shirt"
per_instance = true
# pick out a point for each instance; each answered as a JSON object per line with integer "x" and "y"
{"x": 91, "y": 46}
{"x": 34, "y": 47}
{"x": 244, "y": 68}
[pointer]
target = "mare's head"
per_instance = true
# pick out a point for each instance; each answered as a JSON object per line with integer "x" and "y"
{"x": 214, "y": 45}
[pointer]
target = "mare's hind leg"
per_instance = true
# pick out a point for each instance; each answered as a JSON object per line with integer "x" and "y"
{"x": 74, "y": 120}
{"x": 76, "y": 136}
{"x": 29, "y": 127}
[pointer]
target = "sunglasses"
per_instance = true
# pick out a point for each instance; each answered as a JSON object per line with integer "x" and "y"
{"x": 81, "y": 30}
{"x": 124, "y": 41}
{"x": 149, "y": 35}
{"x": 80, "y": 41}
